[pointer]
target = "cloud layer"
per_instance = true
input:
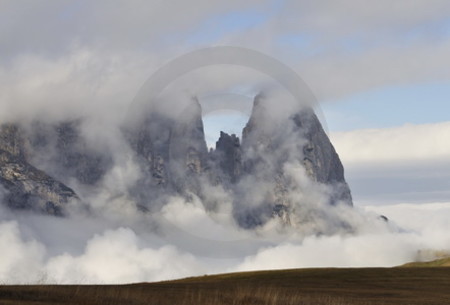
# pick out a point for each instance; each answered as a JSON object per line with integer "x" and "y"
{"x": 331, "y": 48}
{"x": 392, "y": 165}
{"x": 98, "y": 251}
{"x": 408, "y": 143}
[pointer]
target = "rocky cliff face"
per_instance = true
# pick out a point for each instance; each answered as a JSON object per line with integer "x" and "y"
{"x": 27, "y": 187}
{"x": 300, "y": 138}
{"x": 171, "y": 152}
{"x": 12, "y": 140}
{"x": 320, "y": 159}
{"x": 266, "y": 156}
{"x": 227, "y": 158}
{"x": 62, "y": 151}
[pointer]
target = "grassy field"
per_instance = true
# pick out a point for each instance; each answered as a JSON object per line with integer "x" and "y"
{"x": 443, "y": 262}
{"x": 406, "y": 286}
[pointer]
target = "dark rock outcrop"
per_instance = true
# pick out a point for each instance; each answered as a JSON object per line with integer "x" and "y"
{"x": 64, "y": 153}
{"x": 227, "y": 157}
{"x": 12, "y": 140}
{"x": 300, "y": 138}
{"x": 269, "y": 147}
{"x": 188, "y": 150}
{"x": 320, "y": 159}
{"x": 26, "y": 186}
{"x": 171, "y": 152}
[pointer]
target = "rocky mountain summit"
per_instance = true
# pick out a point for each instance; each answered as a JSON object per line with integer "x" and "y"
{"x": 171, "y": 153}
{"x": 262, "y": 165}
{"x": 275, "y": 171}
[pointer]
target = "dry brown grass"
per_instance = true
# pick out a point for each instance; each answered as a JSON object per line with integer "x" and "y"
{"x": 443, "y": 262}
{"x": 406, "y": 286}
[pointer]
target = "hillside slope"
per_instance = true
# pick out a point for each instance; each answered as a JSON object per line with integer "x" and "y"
{"x": 443, "y": 262}
{"x": 304, "y": 286}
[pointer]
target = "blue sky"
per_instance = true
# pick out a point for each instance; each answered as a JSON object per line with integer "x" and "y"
{"x": 390, "y": 106}
{"x": 378, "y": 108}
{"x": 383, "y": 106}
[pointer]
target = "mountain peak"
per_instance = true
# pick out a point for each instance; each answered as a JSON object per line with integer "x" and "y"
{"x": 281, "y": 167}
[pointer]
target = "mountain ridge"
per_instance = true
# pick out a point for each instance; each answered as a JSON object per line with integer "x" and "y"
{"x": 262, "y": 174}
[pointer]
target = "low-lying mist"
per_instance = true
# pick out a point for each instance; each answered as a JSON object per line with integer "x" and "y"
{"x": 112, "y": 235}
{"x": 117, "y": 244}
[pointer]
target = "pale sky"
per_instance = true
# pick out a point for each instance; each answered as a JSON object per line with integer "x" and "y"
{"x": 378, "y": 65}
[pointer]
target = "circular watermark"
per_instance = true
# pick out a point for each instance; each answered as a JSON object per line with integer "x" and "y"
{"x": 222, "y": 55}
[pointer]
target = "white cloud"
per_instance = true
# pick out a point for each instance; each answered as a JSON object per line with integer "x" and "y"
{"x": 79, "y": 84}
{"x": 408, "y": 143}
{"x": 385, "y": 43}
{"x": 52, "y": 27}
{"x": 334, "y": 74}
{"x": 21, "y": 260}
{"x": 353, "y": 16}
{"x": 116, "y": 256}
{"x": 344, "y": 47}
{"x": 431, "y": 217}
{"x": 392, "y": 165}
{"x": 135, "y": 254}
{"x": 423, "y": 235}
{"x": 377, "y": 250}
